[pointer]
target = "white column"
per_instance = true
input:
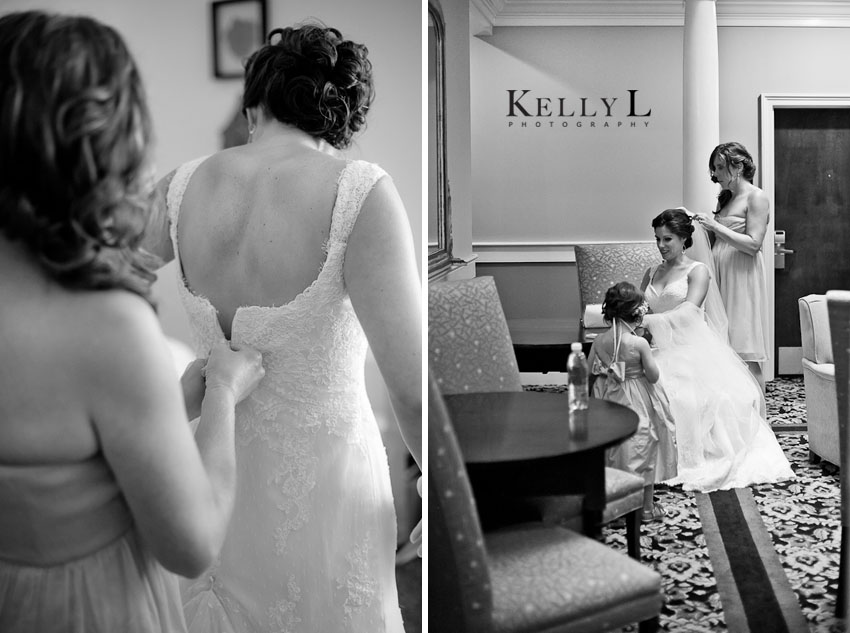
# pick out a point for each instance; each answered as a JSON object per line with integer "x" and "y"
{"x": 701, "y": 103}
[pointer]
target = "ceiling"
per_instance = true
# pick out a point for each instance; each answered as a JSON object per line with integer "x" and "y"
{"x": 487, "y": 14}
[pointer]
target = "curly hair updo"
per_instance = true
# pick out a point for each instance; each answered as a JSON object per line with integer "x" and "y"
{"x": 678, "y": 223}
{"x": 74, "y": 133}
{"x": 625, "y": 302}
{"x": 312, "y": 78}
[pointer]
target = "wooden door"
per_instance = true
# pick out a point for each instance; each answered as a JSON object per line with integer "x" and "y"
{"x": 812, "y": 200}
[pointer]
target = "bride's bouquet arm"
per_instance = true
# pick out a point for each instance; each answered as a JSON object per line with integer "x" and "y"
{"x": 698, "y": 280}
{"x": 383, "y": 282}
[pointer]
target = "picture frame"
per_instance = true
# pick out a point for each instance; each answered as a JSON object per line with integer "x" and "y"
{"x": 238, "y": 29}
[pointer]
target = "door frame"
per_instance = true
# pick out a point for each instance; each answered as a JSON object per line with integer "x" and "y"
{"x": 768, "y": 102}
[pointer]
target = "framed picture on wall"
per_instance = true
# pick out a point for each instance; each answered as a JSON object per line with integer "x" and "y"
{"x": 238, "y": 29}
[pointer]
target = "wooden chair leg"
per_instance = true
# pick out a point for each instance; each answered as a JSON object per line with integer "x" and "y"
{"x": 633, "y": 533}
{"x": 649, "y": 626}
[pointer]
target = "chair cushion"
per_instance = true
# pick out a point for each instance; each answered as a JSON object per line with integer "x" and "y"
{"x": 824, "y": 371}
{"x": 623, "y": 494}
{"x": 593, "y": 317}
{"x": 543, "y": 578}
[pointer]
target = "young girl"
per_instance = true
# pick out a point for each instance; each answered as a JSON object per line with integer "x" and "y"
{"x": 626, "y": 374}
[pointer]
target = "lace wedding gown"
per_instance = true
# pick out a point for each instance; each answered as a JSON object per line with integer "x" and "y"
{"x": 311, "y": 545}
{"x": 722, "y": 440}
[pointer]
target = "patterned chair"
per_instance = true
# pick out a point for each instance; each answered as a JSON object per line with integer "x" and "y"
{"x": 838, "y": 306}
{"x": 524, "y": 578}
{"x": 469, "y": 350}
{"x": 819, "y": 379}
{"x": 600, "y": 266}
{"x": 469, "y": 344}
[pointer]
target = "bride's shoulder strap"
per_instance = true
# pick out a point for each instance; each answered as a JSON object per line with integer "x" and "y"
{"x": 694, "y": 264}
{"x": 356, "y": 180}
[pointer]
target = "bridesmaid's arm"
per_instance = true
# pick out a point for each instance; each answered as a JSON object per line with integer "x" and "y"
{"x": 157, "y": 240}
{"x": 180, "y": 488}
{"x": 758, "y": 214}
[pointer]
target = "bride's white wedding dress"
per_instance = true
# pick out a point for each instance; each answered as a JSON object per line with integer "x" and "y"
{"x": 311, "y": 545}
{"x": 722, "y": 439}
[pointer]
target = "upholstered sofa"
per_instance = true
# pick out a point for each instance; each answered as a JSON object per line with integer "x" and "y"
{"x": 819, "y": 379}
{"x": 600, "y": 266}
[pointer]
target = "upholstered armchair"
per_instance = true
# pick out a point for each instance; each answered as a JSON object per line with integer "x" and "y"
{"x": 600, "y": 266}
{"x": 819, "y": 379}
{"x": 524, "y": 578}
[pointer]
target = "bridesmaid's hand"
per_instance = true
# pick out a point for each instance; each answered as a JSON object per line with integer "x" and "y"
{"x": 192, "y": 382}
{"x": 706, "y": 221}
{"x": 238, "y": 370}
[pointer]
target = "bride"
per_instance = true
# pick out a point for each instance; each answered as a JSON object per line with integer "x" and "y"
{"x": 283, "y": 245}
{"x": 723, "y": 440}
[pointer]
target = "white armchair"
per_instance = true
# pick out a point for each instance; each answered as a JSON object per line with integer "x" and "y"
{"x": 819, "y": 379}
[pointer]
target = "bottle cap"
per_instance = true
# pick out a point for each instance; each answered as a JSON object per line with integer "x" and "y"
{"x": 575, "y": 347}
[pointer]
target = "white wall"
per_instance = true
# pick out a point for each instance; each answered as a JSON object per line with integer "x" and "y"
{"x": 776, "y": 60}
{"x": 571, "y": 185}
{"x": 556, "y": 183}
{"x": 171, "y": 42}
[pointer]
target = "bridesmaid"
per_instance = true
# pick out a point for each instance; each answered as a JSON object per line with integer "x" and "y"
{"x": 739, "y": 226}
{"x": 103, "y": 490}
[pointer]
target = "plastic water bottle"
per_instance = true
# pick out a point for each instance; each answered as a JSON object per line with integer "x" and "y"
{"x": 577, "y": 377}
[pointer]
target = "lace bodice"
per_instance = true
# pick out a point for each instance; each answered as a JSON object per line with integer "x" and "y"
{"x": 312, "y": 540}
{"x": 310, "y": 345}
{"x": 673, "y": 294}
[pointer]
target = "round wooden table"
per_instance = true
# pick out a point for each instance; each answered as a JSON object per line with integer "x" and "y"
{"x": 519, "y": 444}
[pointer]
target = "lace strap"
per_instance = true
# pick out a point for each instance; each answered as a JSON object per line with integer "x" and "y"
{"x": 355, "y": 182}
{"x": 174, "y": 195}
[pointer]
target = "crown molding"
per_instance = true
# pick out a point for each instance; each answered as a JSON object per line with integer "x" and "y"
{"x": 782, "y": 13}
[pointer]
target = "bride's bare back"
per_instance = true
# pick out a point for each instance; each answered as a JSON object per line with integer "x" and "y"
{"x": 253, "y": 225}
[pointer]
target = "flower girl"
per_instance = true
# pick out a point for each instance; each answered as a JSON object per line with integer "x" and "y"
{"x": 625, "y": 372}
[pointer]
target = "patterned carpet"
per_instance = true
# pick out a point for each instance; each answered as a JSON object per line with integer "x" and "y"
{"x": 802, "y": 517}
{"x": 786, "y": 403}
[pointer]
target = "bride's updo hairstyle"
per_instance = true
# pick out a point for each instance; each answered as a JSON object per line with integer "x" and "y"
{"x": 678, "y": 223}
{"x": 312, "y": 78}
{"x": 625, "y": 302}
{"x": 732, "y": 155}
{"x": 74, "y": 132}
